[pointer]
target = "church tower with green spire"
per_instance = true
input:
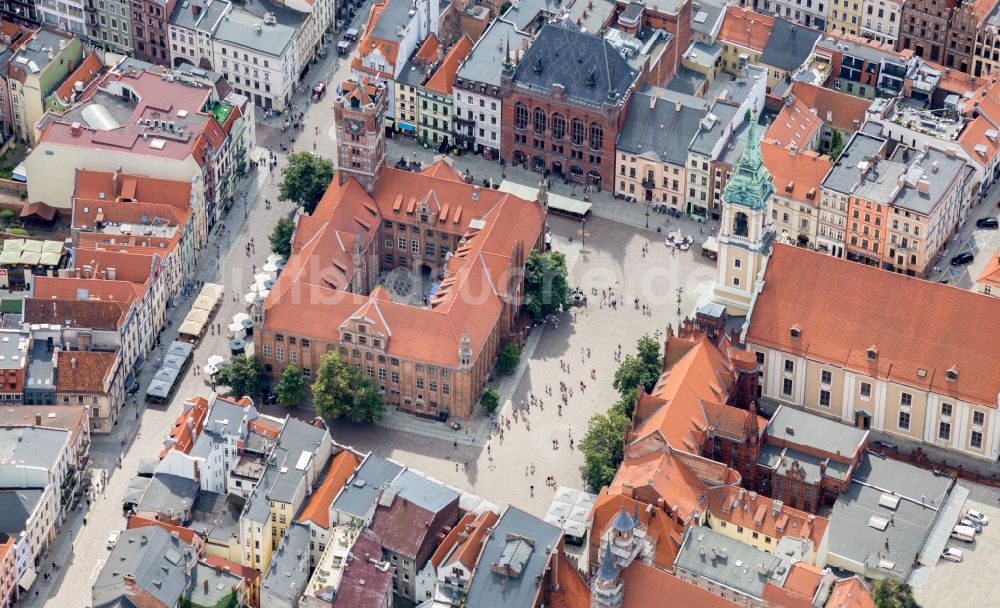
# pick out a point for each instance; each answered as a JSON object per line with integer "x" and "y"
{"x": 746, "y": 229}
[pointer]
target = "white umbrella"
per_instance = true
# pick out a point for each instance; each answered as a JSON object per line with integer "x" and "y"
{"x": 274, "y": 258}
{"x": 270, "y": 267}
{"x": 260, "y": 277}
{"x": 210, "y": 370}
{"x": 237, "y": 330}
{"x": 250, "y": 297}
{"x": 216, "y": 360}
{"x": 240, "y": 317}
{"x": 256, "y": 288}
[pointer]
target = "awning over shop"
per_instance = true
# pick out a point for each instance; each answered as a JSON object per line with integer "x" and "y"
{"x": 179, "y": 349}
{"x": 199, "y": 314}
{"x": 405, "y": 126}
{"x": 158, "y": 389}
{"x": 28, "y": 579}
{"x": 213, "y": 290}
{"x": 191, "y": 328}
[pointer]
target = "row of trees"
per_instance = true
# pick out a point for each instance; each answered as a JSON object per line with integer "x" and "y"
{"x": 340, "y": 389}
{"x": 603, "y": 444}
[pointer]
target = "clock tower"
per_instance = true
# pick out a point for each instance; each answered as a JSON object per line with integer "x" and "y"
{"x": 359, "y": 115}
{"x": 745, "y": 231}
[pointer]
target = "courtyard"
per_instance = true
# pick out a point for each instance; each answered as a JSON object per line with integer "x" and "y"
{"x": 584, "y": 339}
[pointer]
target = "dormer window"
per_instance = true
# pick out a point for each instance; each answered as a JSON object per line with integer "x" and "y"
{"x": 795, "y": 332}
{"x": 872, "y": 353}
{"x": 952, "y": 374}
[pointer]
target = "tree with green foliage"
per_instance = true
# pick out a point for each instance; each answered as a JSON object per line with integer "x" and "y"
{"x": 889, "y": 593}
{"x": 546, "y": 284}
{"x": 281, "y": 237}
{"x": 341, "y": 390}
{"x": 229, "y": 601}
{"x": 836, "y": 144}
{"x": 641, "y": 368}
{"x": 490, "y": 400}
{"x": 305, "y": 179}
{"x": 510, "y": 357}
{"x": 747, "y": 116}
{"x": 241, "y": 375}
{"x": 291, "y": 387}
{"x": 626, "y": 405}
{"x": 603, "y": 448}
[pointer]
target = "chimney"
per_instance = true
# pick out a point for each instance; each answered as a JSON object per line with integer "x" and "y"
{"x": 677, "y": 106}
{"x": 114, "y": 184}
{"x": 205, "y": 586}
{"x": 923, "y": 186}
{"x": 72, "y": 363}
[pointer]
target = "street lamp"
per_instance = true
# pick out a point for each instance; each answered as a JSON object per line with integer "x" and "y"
{"x": 583, "y": 232}
{"x": 647, "y": 214}
{"x": 680, "y": 294}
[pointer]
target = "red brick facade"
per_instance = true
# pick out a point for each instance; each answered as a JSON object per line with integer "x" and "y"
{"x": 149, "y": 30}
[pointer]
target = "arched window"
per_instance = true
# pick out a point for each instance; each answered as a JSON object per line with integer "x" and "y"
{"x": 520, "y": 115}
{"x": 558, "y": 126}
{"x": 741, "y": 225}
{"x": 540, "y": 120}
{"x": 576, "y": 132}
{"x": 596, "y": 136}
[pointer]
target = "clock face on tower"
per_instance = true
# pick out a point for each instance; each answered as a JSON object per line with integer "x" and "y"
{"x": 355, "y": 126}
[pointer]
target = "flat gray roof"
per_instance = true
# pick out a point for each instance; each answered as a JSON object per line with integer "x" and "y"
{"x": 845, "y": 173}
{"x": 659, "y": 128}
{"x": 41, "y": 372}
{"x": 359, "y": 493}
{"x": 210, "y": 586}
{"x": 16, "y": 506}
{"x": 730, "y": 562}
{"x": 238, "y": 29}
{"x": 296, "y": 438}
{"x": 489, "y": 589}
{"x": 289, "y": 571}
{"x": 32, "y": 446}
{"x": 799, "y": 427}
{"x": 878, "y": 185}
{"x": 485, "y": 63}
{"x": 886, "y": 515}
{"x": 789, "y": 45}
{"x": 423, "y": 492}
{"x": 940, "y": 171}
{"x": 706, "y": 139}
{"x": 396, "y": 14}
{"x": 705, "y": 14}
{"x": 158, "y": 561}
{"x": 170, "y": 495}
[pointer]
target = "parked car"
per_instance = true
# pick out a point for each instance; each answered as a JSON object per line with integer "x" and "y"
{"x": 964, "y": 533}
{"x": 987, "y": 222}
{"x": 885, "y": 444}
{"x": 952, "y": 554}
{"x": 319, "y": 91}
{"x": 977, "y": 517}
{"x": 270, "y": 398}
{"x": 965, "y": 521}
{"x": 962, "y": 259}
{"x": 113, "y": 539}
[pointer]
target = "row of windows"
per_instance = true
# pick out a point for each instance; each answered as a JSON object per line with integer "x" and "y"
{"x": 540, "y": 123}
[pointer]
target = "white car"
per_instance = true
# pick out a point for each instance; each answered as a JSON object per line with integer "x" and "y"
{"x": 952, "y": 554}
{"x": 113, "y": 539}
{"x": 978, "y": 517}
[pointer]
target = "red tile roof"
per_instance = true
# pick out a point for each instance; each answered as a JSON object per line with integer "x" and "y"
{"x": 245, "y": 572}
{"x": 64, "y": 288}
{"x": 188, "y": 426}
{"x": 746, "y": 28}
{"x": 81, "y": 371}
{"x": 128, "y": 266}
{"x": 444, "y": 77}
{"x": 85, "y": 73}
{"x": 850, "y": 593}
{"x": 837, "y": 327}
{"x": 186, "y": 534}
{"x": 92, "y": 185}
{"x": 797, "y": 176}
{"x": 341, "y": 467}
{"x": 756, "y": 512}
{"x": 428, "y": 51}
{"x": 674, "y": 409}
{"x": 74, "y": 313}
{"x": 991, "y": 272}
{"x": 646, "y": 587}
{"x": 838, "y": 110}
{"x": 365, "y": 584}
{"x": 308, "y": 298}
{"x": 464, "y": 542}
{"x": 801, "y": 586}
{"x": 662, "y": 529}
{"x": 571, "y": 591}
{"x": 796, "y": 125}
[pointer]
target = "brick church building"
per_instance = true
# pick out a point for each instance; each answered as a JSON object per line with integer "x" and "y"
{"x": 413, "y": 277}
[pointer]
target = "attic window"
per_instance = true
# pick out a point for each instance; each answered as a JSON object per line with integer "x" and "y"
{"x": 790, "y": 186}
{"x": 872, "y": 353}
{"x": 796, "y": 332}
{"x": 952, "y": 374}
